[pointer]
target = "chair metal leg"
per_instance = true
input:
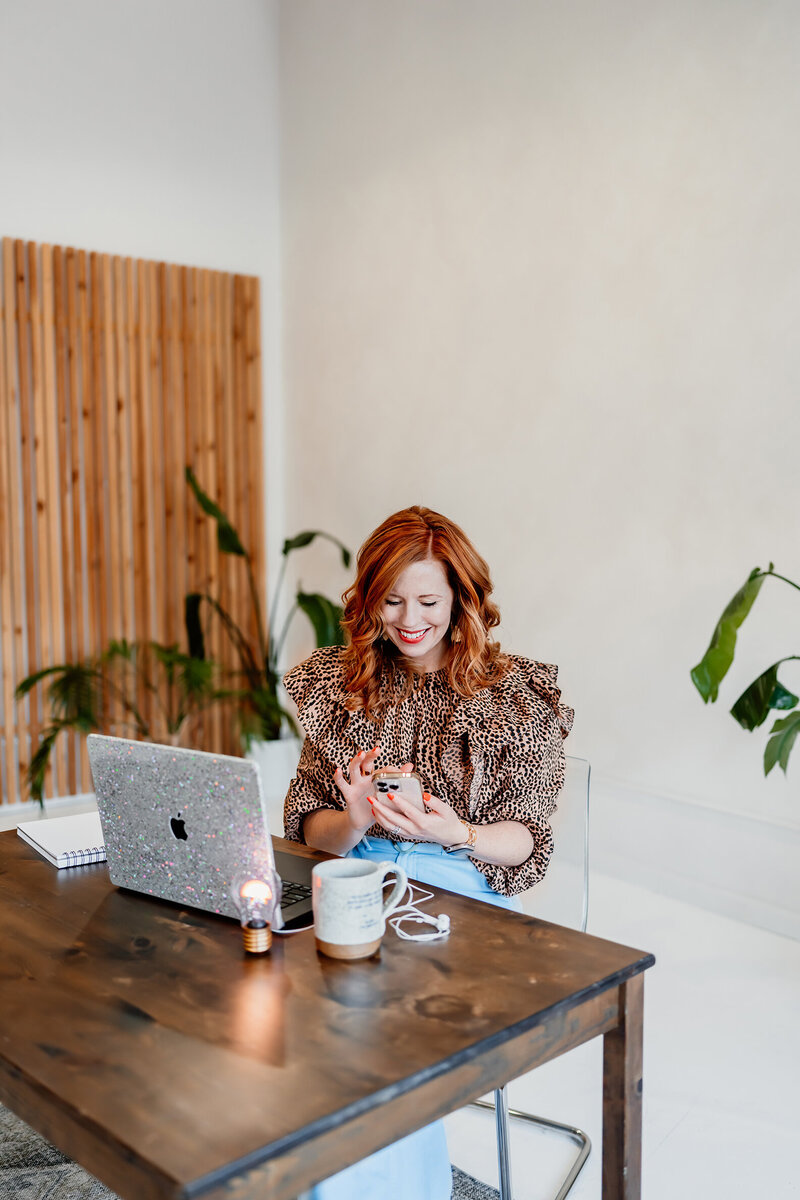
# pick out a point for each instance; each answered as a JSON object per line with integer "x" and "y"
{"x": 503, "y": 1148}
{"x": 576, "y": 1135}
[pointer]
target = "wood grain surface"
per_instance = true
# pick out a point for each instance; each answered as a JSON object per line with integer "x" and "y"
{"x": 138, "y": 1037}
{"x": 115, "y": 374}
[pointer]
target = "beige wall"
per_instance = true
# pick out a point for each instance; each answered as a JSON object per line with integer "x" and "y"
{"x": 541, "y": 273}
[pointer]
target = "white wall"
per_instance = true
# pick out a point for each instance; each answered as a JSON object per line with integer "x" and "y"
{"x": 150, "y": 129}
{"x": 541, "y": 273}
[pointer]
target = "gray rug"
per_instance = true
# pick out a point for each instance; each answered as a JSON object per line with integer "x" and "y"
{"x": 467, "y": 1188}
{"x": 32, "y": 1169}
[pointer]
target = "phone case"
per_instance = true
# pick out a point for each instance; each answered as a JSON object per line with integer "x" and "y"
{"x": 403, "y": 783}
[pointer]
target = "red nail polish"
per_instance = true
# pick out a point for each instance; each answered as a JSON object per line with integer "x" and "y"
{"x": 390, "y": 795}
{"x": 426, "y": 795}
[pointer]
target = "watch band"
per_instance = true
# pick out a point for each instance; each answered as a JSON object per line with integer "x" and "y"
{"x": 469, "y": 843}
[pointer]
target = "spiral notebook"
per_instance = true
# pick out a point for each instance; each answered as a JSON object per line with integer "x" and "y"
{"x": 66, "y": 841}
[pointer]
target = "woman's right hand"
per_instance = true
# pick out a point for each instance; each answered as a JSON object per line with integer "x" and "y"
{"x": 356, "y": 788}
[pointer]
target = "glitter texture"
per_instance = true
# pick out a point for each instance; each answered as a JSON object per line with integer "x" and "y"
{"x": 179, "y": 823}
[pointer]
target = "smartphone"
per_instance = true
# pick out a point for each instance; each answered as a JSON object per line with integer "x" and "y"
{"x": 403, "y": 783}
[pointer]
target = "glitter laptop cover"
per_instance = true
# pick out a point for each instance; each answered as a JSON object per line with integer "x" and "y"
{"x": 179, "y": 824}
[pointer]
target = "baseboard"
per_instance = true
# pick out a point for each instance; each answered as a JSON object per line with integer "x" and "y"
{"x": 12, "y": 814}
{"x": 734, "y": 865}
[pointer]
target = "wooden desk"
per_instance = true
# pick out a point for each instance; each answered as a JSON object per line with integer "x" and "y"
{"x": 138, "y": 1038}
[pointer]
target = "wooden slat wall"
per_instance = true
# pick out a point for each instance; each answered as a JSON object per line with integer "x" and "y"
{"x": 114, "y": 375}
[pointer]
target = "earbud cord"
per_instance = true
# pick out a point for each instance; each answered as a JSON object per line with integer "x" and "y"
{"x": 410, "y": 912}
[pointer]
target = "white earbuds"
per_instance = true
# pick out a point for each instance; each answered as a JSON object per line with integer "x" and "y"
{"x": 410, "y": 912}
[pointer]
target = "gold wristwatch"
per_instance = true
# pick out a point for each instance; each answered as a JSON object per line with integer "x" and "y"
{"x": 469, "y": 844}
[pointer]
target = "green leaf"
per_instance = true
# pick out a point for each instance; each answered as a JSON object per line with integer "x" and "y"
{"x": 120, "y": 648}
{"x": 247, "y": 654}
{"x": 297, "y": 542}
{"x": 227, "y": 537}
{"x": 73, "y": 692}
{"x": 781, "y": 698}
{"x": 764, "y": 693}
{"x": 170, "y": 657}
{"x": 30, "y": 681}
{"x": 74, "y": 696}
{"x": 714, "y": 665}
{"x": 325, "y": 616}
{"x": 197, "y": 676}
{"x": 779, "y": 746}
{"x": 307, "y": 537}
{"x": 262, "y": 717}
{"x": 265, "y": 716}
{"x": 38, "y": 764}
{"x": 194, "y": 629}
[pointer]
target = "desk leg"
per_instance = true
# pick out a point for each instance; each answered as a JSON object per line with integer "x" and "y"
{"x": 622, "y": 1098}
{"x": 503, "y": 1145}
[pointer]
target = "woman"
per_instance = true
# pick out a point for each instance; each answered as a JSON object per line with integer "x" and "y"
{"x": 421, "y": 683}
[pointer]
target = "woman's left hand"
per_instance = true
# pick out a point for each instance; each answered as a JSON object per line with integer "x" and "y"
{"x": 439, "y": 823}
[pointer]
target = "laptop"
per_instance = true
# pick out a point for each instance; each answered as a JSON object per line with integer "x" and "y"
{"x": 183, "y": 824}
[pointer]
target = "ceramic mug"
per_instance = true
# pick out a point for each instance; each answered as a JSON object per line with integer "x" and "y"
{"x": 349, "y": 909}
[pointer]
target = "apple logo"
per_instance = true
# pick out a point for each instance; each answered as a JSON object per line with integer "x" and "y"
{"x": 178, "y": 828}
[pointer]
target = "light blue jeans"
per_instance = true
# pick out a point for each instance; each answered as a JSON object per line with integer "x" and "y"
{"x": 426, "y": 862}
{"x": 418, "y": 1166}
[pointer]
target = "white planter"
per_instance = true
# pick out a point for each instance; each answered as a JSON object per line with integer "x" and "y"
{"x": 277, "y": 762}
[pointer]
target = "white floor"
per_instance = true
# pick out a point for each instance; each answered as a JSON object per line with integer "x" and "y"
{"x": 721, "y": 1065}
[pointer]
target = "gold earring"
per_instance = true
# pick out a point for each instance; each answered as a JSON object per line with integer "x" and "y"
{"x": 456, "y": 634}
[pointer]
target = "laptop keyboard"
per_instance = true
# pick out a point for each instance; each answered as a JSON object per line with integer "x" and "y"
{"x": 293, "y": 892}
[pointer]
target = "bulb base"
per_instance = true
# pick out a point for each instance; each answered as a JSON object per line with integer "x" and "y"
{"x": 256, "y": 940}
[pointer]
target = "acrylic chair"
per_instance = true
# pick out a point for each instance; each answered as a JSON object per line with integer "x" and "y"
{"x": 563, "y": 898}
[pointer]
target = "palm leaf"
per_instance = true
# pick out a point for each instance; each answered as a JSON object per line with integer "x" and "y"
{"x": 27, "y": 684}
{"x": 119, "y": 648}
{"x": 37, "y": 768}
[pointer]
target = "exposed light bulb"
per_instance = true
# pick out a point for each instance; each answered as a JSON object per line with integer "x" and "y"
{"x": 256, "y": 900}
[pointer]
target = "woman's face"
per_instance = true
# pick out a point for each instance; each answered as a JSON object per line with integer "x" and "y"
{"x": 416, "y": 613}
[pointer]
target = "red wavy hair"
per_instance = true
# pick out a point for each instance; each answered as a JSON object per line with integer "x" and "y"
{"x": 474, "y": 660}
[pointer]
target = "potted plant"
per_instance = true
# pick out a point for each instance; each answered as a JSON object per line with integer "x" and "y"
{"x": 105, "y": 693}
{"x": 765, "y": 693}
{"x": 269, "y": 733}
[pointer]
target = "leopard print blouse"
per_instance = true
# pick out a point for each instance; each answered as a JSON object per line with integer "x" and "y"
{"x": 497, "y": 756}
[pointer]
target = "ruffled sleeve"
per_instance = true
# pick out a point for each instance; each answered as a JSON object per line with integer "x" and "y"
{"x": 504, "y": 751}
{"x": 309, "y": 790}
{"x": 333, "y": 736}
{"x": 317, "y": 685}
{"x": 312, "y": 786}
